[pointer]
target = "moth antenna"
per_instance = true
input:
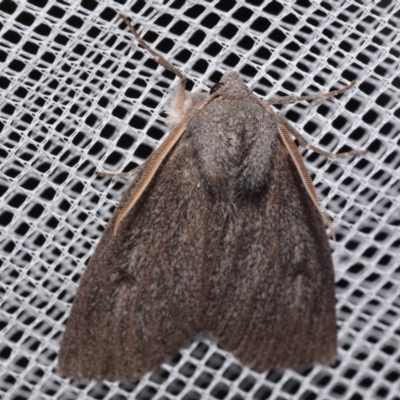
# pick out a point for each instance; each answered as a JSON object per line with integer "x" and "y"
{"x": 160, "y": 60}
{"x": 157, "y": 57}
{"x": 318, "y": 96}
{"x": 156, "y": 159}
{"x": 305, "y": 177}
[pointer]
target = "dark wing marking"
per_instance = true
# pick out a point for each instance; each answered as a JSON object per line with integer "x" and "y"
{"x": 142, "y": 295}
{"x": 277, "y": 305}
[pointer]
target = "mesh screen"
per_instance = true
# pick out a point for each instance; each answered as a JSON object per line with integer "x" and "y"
{"x": 77, "y": 93}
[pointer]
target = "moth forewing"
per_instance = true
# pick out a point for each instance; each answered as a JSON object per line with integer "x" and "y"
{"x": 157, "y": 158}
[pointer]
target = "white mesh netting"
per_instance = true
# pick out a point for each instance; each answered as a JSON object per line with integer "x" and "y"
{"x": 77, "y": 93}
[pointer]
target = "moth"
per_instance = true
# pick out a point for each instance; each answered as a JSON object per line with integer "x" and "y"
{"x": 220, "y": 231}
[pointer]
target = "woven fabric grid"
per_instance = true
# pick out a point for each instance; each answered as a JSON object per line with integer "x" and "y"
{"x": 78, "y": 94}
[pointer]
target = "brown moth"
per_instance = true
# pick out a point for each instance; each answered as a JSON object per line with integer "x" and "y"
{"x": 220, "y": 231}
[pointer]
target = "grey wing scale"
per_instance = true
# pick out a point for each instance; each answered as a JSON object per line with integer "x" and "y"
{"x": 277, "y": 307}
{"x": 132, "y": 310}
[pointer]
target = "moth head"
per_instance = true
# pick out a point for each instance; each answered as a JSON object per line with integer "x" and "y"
{"x": 231, "y": 85}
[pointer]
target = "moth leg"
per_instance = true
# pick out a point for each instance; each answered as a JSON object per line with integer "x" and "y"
{"x": 303, "y": 142}
{"x": 180, "y": 95}
{"x": 296, "y": 99}
{"x": 115, "y": 175}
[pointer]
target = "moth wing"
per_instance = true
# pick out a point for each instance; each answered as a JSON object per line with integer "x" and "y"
{"x": 132, "y": 310}
{"x": 280, "y": 272}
